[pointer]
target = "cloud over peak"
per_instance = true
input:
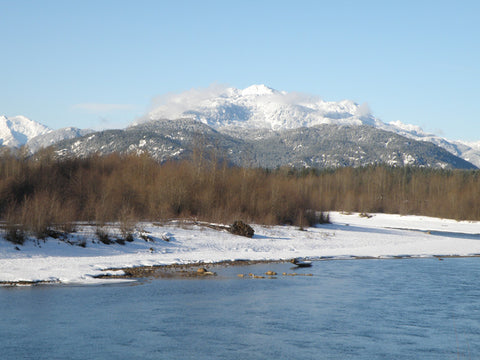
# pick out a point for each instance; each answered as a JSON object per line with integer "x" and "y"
{"x": 257, "y": 106}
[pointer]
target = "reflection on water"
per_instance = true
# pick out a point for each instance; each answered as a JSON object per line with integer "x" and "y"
{"x": 357, "y": 309}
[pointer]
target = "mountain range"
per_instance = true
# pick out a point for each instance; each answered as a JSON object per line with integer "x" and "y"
{"x": 256, "y": 126}
{"x": 325, "y": 145}
{"x": 19, "y": 131}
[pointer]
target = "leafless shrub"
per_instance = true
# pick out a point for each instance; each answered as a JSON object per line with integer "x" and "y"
{"x": 311, "y": 218}
{"x": 365, "y": 215}
{"x": 15, "y": 234}
{"x": 147, "y": 238}
{"x": 127, "y": 223}
{"x": 103, "y": 235}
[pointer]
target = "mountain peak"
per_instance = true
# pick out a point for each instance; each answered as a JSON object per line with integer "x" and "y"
{"x": 257, "y": 90}
{"x": 259, "y": 106}
{"x": 15, "y": 131}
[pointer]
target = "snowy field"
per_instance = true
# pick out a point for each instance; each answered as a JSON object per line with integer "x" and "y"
{"x": 349, "y": 236}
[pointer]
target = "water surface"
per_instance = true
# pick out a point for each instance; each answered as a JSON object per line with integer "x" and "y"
{"x": 356, "y": 309}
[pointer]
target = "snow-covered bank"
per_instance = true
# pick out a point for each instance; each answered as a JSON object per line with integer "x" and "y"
{"x": 348, "y": 236}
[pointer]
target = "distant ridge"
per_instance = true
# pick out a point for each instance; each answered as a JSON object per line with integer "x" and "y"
{"x": 322, "y": 146}
{"x": 54, "y": 136}
{"x": 257, "y": 112}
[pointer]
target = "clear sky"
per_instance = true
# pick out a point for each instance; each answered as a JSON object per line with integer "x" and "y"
{"x": 100, "y": 63}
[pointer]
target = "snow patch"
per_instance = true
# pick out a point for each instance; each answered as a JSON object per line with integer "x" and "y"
{"x": 381, "y": 235}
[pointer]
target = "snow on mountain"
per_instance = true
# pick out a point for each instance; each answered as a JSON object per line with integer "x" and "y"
{"x": 259, "y": 106}
{"x": 44, "y": 140}
{"x": 405, "y": 129}
{"x": 475, "y": 145}
{"x": 257, "y": 90}
{"x": 465, "y": 150}
{"x": 17, "y": 130}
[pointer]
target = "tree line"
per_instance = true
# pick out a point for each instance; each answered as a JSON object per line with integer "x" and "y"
{"x": 42, "y": 192}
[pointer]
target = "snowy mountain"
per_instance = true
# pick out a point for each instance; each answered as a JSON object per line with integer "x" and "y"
{"x": 54, "y": 136}
{"x": 319, "y": 146}
{"x": 465, "y": 150}
{"x": 19, "y": 130}
{"x": 261, "y": 107}
{"x": 16, "y": 131}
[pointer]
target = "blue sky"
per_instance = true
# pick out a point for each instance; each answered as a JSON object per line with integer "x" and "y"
{"x": 99, "y": 64}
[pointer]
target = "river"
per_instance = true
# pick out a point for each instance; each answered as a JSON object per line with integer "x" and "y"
{"x": 348, "y": 309}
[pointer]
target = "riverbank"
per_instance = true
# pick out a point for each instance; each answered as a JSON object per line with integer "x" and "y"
{"x": 83, "y": 259}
